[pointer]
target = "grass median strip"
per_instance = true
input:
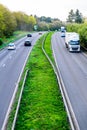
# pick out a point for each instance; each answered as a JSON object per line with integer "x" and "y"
{"x": 41, "y": 106}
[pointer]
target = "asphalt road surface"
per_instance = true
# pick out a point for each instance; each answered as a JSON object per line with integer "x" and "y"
{"x": 73, "y": 69}
{"x": 11, "y": 64}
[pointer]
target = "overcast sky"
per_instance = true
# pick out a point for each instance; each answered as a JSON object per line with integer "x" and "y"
{"x": 49, "y": 8}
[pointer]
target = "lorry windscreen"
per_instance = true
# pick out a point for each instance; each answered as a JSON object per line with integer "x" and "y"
{"x": 74, "y": 42}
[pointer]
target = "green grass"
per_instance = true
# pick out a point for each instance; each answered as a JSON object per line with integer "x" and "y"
{"x": 41, "y": 106}
{"x": 48, "y": 47}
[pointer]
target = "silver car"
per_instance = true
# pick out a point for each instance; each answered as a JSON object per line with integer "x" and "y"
{"x": 11, "y": 46}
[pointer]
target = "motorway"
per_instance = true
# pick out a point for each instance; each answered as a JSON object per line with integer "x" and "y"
{"x": 73, "y": 70}
{"x": 11, "y": 66}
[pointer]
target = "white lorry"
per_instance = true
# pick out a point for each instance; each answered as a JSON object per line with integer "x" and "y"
{"x": 63, "y": 31}
{"x": 72, "y": 41}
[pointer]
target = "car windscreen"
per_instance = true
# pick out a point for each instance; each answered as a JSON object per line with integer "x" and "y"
{"x": 11, "y": 45}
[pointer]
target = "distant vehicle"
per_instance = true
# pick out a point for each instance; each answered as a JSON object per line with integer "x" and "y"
{"x": 11, "y": 46}
{"x": 29, "y": 35}
{"x": 63, "y": 34}
{"x": 27, "y": 42}
{"x": 72, "y": 41}
{"x": 62, "y": 29}
{"x": 40, "y": 33}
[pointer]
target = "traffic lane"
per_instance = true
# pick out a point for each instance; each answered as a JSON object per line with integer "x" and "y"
{"x": 9, "y": 75}
{"x": 73, "y": 69}
{"x": 8, "y": 80}
{"x": 5, "y": 54}
{"x": 18, "y": 43}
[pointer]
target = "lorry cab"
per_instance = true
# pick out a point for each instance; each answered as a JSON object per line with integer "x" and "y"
{"x": 72, "y": 41}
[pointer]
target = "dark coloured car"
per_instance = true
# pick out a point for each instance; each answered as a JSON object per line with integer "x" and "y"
{"x": 40, "y": 33}
{"x": 27, "y": 43}
{"x": 29, "y": 35}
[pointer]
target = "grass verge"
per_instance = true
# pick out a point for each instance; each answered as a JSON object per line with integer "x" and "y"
{"x": 41, "y": 106}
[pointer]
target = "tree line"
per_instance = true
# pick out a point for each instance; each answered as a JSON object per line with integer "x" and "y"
{"x": 75, "y": 17}
{"x": 12, "y": 21}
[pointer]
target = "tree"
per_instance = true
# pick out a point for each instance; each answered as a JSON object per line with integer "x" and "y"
{"x": 55, "y": 25}
{"x": 10, "y": 23}
{"x": 21, "y": 19}
{"x": 24, "y": 22}
{"x": 78, "y": 17}
{"x": 7, "y": 22}
{"x": 75, "y": 17}
{"x": 71, "y": 16}
{"x": 31, "y": 22}
{"x": 48, "y": 23}
{"x": 1, "y": 42}
{"x": 43, "y": 26}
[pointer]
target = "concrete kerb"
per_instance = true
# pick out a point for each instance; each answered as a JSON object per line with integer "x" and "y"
{"x": 19, "y": 100}
{"x": 71, "y": 115}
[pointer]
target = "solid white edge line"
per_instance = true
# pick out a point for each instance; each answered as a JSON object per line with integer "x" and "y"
{"x": 19, "y": 100}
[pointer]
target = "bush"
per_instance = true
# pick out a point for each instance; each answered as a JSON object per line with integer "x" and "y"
{"x": 1, "y": 42}
{"x": 83, "y": 35}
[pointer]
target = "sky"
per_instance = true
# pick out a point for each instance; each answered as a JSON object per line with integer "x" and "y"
{"x": 50, "y": 8}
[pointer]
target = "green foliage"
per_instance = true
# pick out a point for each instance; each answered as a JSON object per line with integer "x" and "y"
{"x": 83, "y": 34}
{"x": 78, "y": 17}
{"x": 21, "y": 19}
{"x": 75, "y": 17}
{"x": 31, "y": 22}
{"x": 81, "y": 29}
{"x": 70, "y": 16}
{"x": 43, "y": 26}
{"x": 73, "y": 27}
{"x": 7, "y": 22}
{"x": 48, "y": 47}
{"x": 11, "y": 21}
{"x": 1, "y": 42}
{"x": 24, "y": 22}
{"x": 46, "y": 19}
{"x": 48, "y": 23}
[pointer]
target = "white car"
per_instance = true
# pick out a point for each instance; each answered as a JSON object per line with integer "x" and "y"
{"x": 11, "y": 46}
